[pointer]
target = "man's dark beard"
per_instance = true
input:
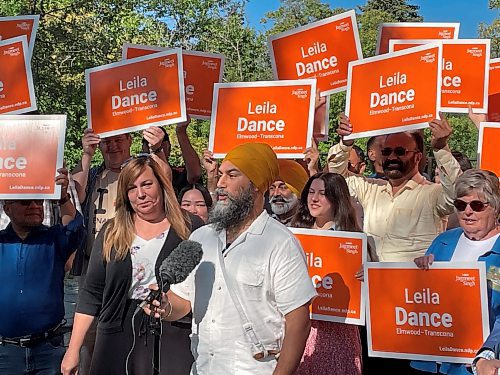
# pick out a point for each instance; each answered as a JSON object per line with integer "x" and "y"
{"x": 232, "y": 214}
{"x": 394, "y": 168}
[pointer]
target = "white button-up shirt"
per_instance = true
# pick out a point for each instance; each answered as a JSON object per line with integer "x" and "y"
{"x": 403, "y": 225}
{"x": 269, "y": 271}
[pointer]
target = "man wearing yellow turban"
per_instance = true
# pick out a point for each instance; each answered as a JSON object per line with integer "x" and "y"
{"x": 253, "y": 270}
{"x": 285, "y": 191}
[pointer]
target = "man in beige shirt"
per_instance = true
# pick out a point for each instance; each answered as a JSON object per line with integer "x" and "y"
{"x": 403, "y": 213}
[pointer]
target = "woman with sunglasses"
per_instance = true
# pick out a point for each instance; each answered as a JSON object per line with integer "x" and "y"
{"x": 125, "y": 260}
{"x": 477, "y": 205}
{"x": 332, "y": 348}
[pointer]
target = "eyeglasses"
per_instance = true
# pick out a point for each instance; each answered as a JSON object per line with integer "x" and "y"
{"x": 141, "y": 155}
{"x": 476, "y": 206}
{"x": 398, "y": 151}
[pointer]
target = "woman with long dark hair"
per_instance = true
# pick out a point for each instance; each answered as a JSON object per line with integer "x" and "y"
{"x": 332, "y": 348}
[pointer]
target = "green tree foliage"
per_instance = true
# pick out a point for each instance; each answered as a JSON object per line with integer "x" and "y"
{"x": 492, "y": 31}
{"x": 295, "y": 13}
{"x": 399, "y": 10}
{"x": 75, "y": 35}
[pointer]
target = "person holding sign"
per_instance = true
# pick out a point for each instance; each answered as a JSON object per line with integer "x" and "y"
{"x": 32, "y": 261}
{"x": 190, "y": 173}
{"x": 478, "y": 239}
{"x": 250, "y": 294}
{"x": 403, "y": 214}
{"x": 125, "y": 260}
{"x": 332, "y": 348}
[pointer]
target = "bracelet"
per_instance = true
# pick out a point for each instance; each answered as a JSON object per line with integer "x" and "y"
{"x": 65, "y": 199}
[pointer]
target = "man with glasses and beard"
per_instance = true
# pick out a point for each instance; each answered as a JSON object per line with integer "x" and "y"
{"x": 284, "y": 192}
{"x": 250, "y": 294}
{"x": 402, "y": 214}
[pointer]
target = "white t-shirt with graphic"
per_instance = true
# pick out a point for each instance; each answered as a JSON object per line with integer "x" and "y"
{"x": 144, "y": 254}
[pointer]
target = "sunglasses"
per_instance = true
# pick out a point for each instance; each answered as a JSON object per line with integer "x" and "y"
{"x": 476, "y": 206}
{"x": 141, "y": 155}
{"x": 398, "y": 151}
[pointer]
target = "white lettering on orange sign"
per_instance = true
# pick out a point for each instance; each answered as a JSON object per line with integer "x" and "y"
{"x": 395, "y": 97}
{"x": 261, "y": 125}
{"x": 1, "y": 86}
{"x": 448, "y": 81}
{"x": 314, "y": 261}
{"x": 125, "y": 101}
{"x": 422, "y": 319}
{"x": 189, "y": 89}
{"x": 11, "y": 162}
{"x": 316, "y": 65}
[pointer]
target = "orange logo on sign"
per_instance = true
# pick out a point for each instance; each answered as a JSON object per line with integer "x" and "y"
{"x": 438, "y": 315}
{"x": 279, "y": 113}
{"x": 320, "y": 50}
{"x": 394, "y": 92}
{"x": 11, "y": 27}
{"x": 23, "y": 173}
{"x": 201, "y": 71}
{"x": 333, "y": 258}
{"x": 414, "y": 30}
{"x": 17, "y": 94}
{"x": 135, "y": 94}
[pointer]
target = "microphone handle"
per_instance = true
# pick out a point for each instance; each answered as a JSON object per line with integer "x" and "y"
{"x": 154, "y": 295}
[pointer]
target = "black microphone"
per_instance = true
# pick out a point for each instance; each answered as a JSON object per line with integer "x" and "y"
{"x": 176, "y": 267}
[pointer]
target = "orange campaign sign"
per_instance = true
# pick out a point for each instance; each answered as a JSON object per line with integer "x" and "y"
{"x": 135, "y": 94}
{"x": 414, "y": 30}
{"x": 24, "y": 174}
{"x": 201, "y": 71}
{"x": 279, "y": 113}
{"x": 333, "y": 258}
{"x": 17, "y": 94}
{"x": 436, "y": 315}
{"x": 11, "y": 27}
{"x": 494, "y": 91}
{"x": 394, "y": 92}
{"x": 320, "y": 50}
{"x": 401, "y": 44}
{"x": 488, "y": 146}
{"x": 465, "y": 72}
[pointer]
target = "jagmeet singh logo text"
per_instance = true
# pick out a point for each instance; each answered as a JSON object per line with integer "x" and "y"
{"x": 428, "y": 57}
{"x": 210, "y": 64}
{"x": 167, "y": 63}
{"x": 349, "y": 247}
{"x": 300, "y": 93}
{"x": 12, "y": 51}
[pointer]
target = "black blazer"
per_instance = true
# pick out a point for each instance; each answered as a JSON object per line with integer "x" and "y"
{"x": 105, "y": 290}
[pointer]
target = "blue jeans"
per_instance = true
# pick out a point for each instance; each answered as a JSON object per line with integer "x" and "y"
{"x": 43, "y": 358}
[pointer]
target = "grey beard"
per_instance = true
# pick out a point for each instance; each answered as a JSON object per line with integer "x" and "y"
{"x": 233, "y": 214}
{"x": 286, "y": 206}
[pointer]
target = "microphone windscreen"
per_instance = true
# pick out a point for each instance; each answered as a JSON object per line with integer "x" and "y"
{"x": 181, "y": 261}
